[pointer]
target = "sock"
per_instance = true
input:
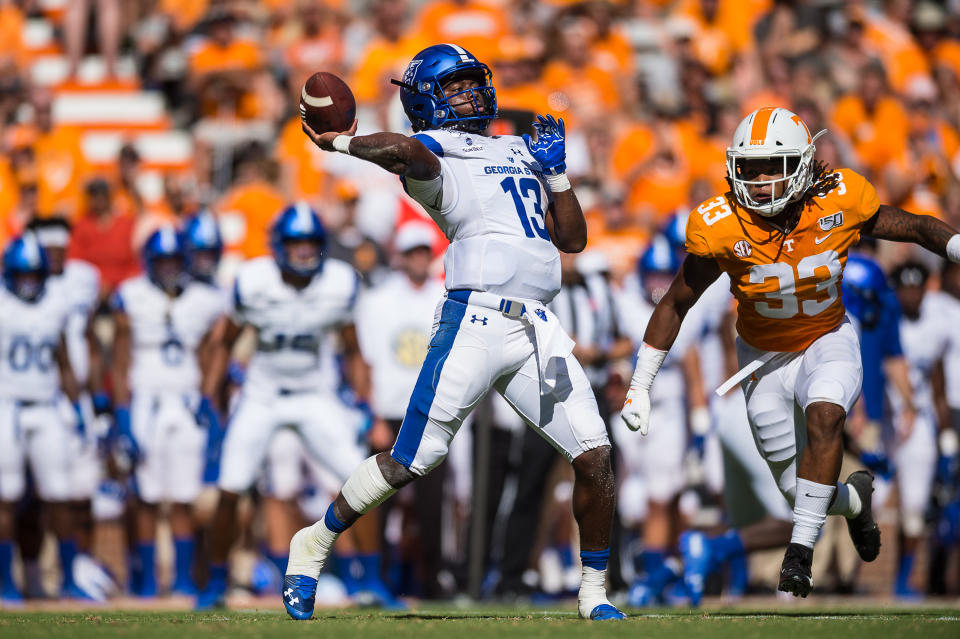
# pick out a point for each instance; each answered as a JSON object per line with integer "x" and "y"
{"x": 810, "y": 511}
{"x": 32, "y": 578}
{"x": 904, "y": 569}
{"x": 67, "y": 549}
{"x": 659, "y": 574}
{"x": 280, "y": 561}
{"x": 6, "y": 564}
{"x": 147, "y": 552}
{"x": 349, "y": 569}
{"x": 369, "y": 567}
{"x": 136, "y": 572}
{"x": 184, "y": 550}
{"x": 727, "y": 545}
{"x": 593, "y": 578}
{"x": 566, "y": 555}
{"x": 845, "y": 502}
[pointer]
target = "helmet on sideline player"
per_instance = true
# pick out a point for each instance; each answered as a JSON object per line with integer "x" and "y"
{"x": 771, "y": 133}
{"x": 864, "y": 283}
{"x": 657, "y": 266}
{"x": 163, "y": 259}
{"x": 202, "y": 246}
{"x": 25, "y": 267}
{"x": 675, "y": 230}
{"x": 296, "y": 223}
{"x": 423, "y": 98}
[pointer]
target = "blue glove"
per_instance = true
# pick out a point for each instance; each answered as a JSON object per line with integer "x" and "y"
{"x": 550, "y": 148}
{"x": 208, "y": 418}
{"x": 81, "y": 425}
{"x": 101, "y": 404}
{"x": 123, "y": 436}
{"x": 878, "y": 463}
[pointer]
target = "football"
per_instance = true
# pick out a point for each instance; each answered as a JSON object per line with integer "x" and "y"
{"x": 327, "y": 103}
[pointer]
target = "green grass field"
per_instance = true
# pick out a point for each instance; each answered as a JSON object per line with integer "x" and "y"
{"x": 451, "y": 623}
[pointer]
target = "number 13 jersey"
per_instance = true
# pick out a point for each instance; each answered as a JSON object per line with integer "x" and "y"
{"x": 491, "y": 202}
{"x": 787, "y": 285}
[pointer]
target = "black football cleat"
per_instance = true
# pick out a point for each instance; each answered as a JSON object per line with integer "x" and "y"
{"x": 796, "y": 576}
{"x": 864, "y": 531}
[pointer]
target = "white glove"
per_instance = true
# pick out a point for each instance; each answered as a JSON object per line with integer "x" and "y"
{"x": 636, "y": 408}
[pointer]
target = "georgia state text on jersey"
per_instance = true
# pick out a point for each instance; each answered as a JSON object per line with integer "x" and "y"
{"x": 787, "y": 284}
{"x": 79, "y": 284}
{"x": 491, "y": 202}
{"x": 167, "y": 331}
{"x": 29, "y": 336}
{"x": 291, "y": 324}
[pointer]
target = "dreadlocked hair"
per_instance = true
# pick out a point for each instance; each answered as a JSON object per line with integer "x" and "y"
{"x": 824, "y": 180}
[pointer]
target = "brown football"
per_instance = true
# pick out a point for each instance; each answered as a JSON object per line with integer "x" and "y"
{"x": 327, "y": 103}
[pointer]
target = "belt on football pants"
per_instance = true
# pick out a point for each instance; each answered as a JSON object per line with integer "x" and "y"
{"x": 746, "y": 371}
{"x": 510, "y": 308}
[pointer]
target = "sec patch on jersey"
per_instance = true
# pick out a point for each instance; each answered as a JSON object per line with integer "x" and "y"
{"x": 327, "y": 103}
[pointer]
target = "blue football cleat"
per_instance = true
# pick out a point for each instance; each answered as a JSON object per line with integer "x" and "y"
{"x": 299, "y": 592}
{"x": 10, "y": 596}
{"x": 641, "y": 595}
{"x": 606, "y": 612}
{"x": 697, "y": 563}
{"x": 213, "y": 596}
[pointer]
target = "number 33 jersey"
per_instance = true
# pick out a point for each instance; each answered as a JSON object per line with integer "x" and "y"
{"x": 787, "y": 285}
{"x": 491, "y": 202}
{"x": 292, "y": 326}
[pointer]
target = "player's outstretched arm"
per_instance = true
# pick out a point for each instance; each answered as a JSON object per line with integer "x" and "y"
{"x": 892, "y": 223}
{"x": 695, "y": 275}
{"x": 394, "y": 152}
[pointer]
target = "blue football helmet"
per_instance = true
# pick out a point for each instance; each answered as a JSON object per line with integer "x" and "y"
{"x": 864, "y": 284}
{"x": 163, "y": 243}
{"x": 675, "y": 230}
{"x": 25, "y": 267}
{"x": 202, "y": 246}
{"x": 423, "y": 98}
{"x": 298, "y": 222}
{"x": 657, "y": 266}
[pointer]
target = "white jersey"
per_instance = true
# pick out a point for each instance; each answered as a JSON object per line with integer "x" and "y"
{"x": 706, "y": 321}
{"x": 29, "y": 336}
{"x": 490, "y": 201}
{"x": 394, "y": 322}
{"x": 947, "y": 306}
{"x": 80, "y": 285}
{"x": 292, "y": 325}
{"x": 635, "y": 313}
{"x": 166, "y": 332}
{"x": 924, "y": 342}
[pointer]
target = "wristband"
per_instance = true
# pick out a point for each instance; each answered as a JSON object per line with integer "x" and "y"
{"x": 949, "y": 444}
{"x": 649, "y": 361}
{"x": 953, "y": 248}
{"x": 559, "y": 182}
{"x": 341, "y": 143}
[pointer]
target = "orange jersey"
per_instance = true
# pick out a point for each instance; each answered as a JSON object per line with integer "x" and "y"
{"x": 787, "y": 286}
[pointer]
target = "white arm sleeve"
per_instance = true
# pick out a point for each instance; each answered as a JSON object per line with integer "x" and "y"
{"x": 439, "y": 194}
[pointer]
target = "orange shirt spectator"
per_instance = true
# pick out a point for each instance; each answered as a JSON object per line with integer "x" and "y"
{"x": 631, "y": 149}
{"x": 382, "y": 60}
{"x": 947, "y": 54}
{"x": 475, "y": 26}
{"x": 879, "y": 134}
{"x": 247, "y": 209}
{"x": 60, "y": 164}
{"x": 104, "y": 239}
{"x": 11, "y": 31}
{"x": 735, "y": 18}
{"x": 317, "y": 46}
{"x": 301, "y": 163}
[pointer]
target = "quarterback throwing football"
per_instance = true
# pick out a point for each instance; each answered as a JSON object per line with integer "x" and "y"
{"x": 782, "y": 234}
{"x": 506, "y": 206}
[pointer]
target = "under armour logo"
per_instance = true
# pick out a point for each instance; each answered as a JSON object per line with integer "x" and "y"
{"x": 516, "y": 151}
{"x": 475, "y": 319}
{"x": 541, "y": 314}
{"x": 293, "y": 600}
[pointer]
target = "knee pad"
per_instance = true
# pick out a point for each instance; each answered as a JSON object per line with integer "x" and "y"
{"x": 774, "y": 427}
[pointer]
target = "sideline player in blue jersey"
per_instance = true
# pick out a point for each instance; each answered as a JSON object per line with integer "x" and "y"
{"x": 507, "y": 206}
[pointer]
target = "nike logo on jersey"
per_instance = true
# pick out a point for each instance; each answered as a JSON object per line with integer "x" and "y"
{"x": 817, "y": 240}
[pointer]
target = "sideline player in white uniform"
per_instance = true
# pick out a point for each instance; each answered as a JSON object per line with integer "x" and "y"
{"x": 79, "y": 283}
{"x": 654, "y": 472}
{"x": 782, "y": 233}
{"x": 34, "y": 367}
{"x": 925, "y": 333}
{"x": 506, "y": 205}
{"x": 163, "y": 323}
{"x": 294, "y": 300}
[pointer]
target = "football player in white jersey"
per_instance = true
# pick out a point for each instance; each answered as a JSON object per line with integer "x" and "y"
{"x": 34, "y": 367}
{"x": 294, "y": 301}
{"x": 925, "y": 335}
{"x": 163, "y": 323}
{"x": 79, "y": 283}
{"x": 507, "y": 206}
{"x": 653, "y": 470}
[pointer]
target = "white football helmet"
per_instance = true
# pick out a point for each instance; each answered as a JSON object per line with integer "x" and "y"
{"x": 772, "y": 132}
